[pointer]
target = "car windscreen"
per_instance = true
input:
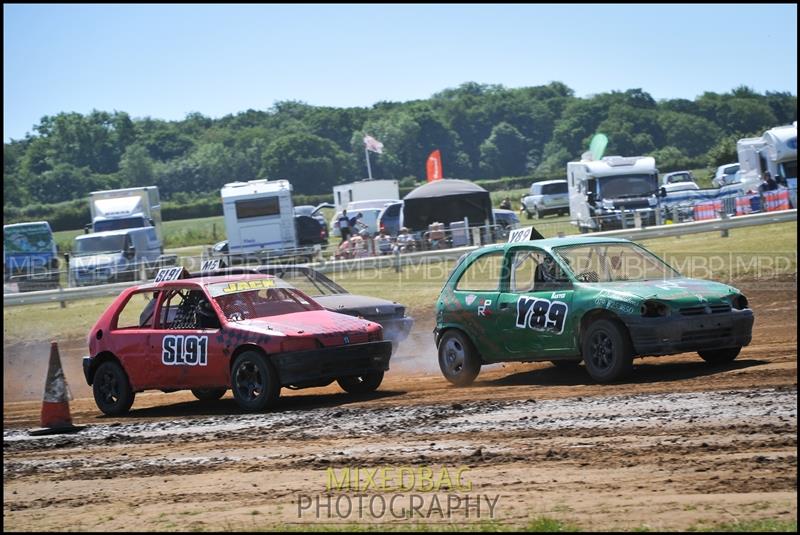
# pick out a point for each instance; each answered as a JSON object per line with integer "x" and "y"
{"x": 680, "y": 177}
{"x": 27, "y": 239}
{"x": 554, "y": 189}
{"x": 621, "y": 186}
{"x": 119, "y": 224}
{"x": 614, "y": 262}
{"x": 264, "y": 303}
{"x": 99, "y": 244}
{"x": 732, "y": 170}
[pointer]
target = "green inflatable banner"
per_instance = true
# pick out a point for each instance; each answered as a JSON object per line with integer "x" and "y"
{"x": 598, "y": 146}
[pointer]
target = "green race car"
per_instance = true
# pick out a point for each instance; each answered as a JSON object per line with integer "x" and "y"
{"x": 600, "y": 300}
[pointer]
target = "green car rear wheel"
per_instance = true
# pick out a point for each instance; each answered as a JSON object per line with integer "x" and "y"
{"x": 458, "y": 358}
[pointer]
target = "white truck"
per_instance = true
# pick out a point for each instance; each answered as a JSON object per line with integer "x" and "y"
{"x": 613, "y": 192}
{"x": 119, "y": 255}
{"x": 775, "y": 151}
{"x": 259, "y": 218}
{"x": 365, "y": 190}
{"x": 126, "y": 208}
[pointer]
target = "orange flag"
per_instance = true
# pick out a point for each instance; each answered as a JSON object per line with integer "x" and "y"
{"x": 434, "y": 166}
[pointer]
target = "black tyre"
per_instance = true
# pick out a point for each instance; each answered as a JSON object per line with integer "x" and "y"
{"x": 606, "y": 351}
{"x": 254, "y": 381}
{"x": 361, "y": 384}
{"x": 112, "y": 390}
{"x": 720, "y": 356}
{"x": 458, "y": 358}
{"x": 209, "y": 394}
{"x": 528, "y": 214}
{"x": 536, "y": 214}
{"x": 566, "y": 364}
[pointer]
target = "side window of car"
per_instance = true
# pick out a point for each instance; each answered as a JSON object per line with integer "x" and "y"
{"x": 483, "y": 274}
{"x": 137, "y": 312}
{"x": 187, "y": 309}
{"x": 535, "y": 271}
{"x": 522, "y": 270}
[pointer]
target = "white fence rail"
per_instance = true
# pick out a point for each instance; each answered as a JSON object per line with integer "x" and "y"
{"x": 662, "y": 231}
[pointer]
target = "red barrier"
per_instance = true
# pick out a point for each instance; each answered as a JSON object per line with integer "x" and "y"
{"x": 776, "y": 200}
{"x": 707, "y": 210}
{"x": 744, "y": 205}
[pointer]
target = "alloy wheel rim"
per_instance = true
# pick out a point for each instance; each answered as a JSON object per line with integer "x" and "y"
{"x": 602, "y": 351}
{"x": 108, "y": 388}
{"x": 454, "y": 356}
{"x": 249, "y": 383}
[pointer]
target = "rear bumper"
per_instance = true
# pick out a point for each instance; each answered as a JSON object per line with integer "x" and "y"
{"x": 670, "y": 335}
{"x": 332, "y": 363}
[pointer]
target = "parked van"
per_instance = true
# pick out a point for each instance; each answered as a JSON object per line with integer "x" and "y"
{"x": 115, "y": 256}
{"x": 29, "y": 256}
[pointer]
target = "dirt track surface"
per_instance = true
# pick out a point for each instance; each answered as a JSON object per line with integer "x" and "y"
{"x": 679, "y": 444}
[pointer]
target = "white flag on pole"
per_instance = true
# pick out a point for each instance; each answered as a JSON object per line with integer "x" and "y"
{"x": 373, "y": 144}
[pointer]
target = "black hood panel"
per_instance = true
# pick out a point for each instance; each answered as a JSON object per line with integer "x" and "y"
{"x": 359, "y": 305}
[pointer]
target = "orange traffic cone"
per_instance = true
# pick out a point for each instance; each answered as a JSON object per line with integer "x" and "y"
{"x": 55, "y": 407}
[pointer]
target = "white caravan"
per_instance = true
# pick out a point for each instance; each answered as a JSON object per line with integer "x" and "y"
{"x": 609, "y": 193}
{"x": 259, "y": 216}
{"x": 365, "y": 190}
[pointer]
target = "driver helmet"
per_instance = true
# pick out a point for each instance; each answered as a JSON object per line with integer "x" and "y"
{"x": 238, "y": 305}
{"x": 549, "y": 269}
{"x": 205, "y": 308}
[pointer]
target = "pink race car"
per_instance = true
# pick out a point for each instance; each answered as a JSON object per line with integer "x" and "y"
{"x": 251, "y": 333}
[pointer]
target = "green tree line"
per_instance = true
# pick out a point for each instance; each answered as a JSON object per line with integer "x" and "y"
{"x": 484, "y": 132}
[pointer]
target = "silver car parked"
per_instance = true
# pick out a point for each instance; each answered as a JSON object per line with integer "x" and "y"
{"x": 546, "y": 197}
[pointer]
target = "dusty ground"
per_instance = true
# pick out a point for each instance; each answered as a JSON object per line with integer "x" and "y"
{"x": 679, "y": 444}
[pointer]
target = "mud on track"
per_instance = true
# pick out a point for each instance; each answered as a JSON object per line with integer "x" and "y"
{"x": 678, "y": 444}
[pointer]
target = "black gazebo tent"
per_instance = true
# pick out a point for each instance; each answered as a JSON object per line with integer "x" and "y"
{"x": 446, "y": 201}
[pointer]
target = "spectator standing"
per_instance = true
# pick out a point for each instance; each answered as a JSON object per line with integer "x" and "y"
{"x": 355, "y": 223}
{"x": 768, "y": 183}
{"x": 344, "y": 226}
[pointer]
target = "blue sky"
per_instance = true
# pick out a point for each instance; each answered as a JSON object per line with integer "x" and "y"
{"x": 167, "y": 61}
